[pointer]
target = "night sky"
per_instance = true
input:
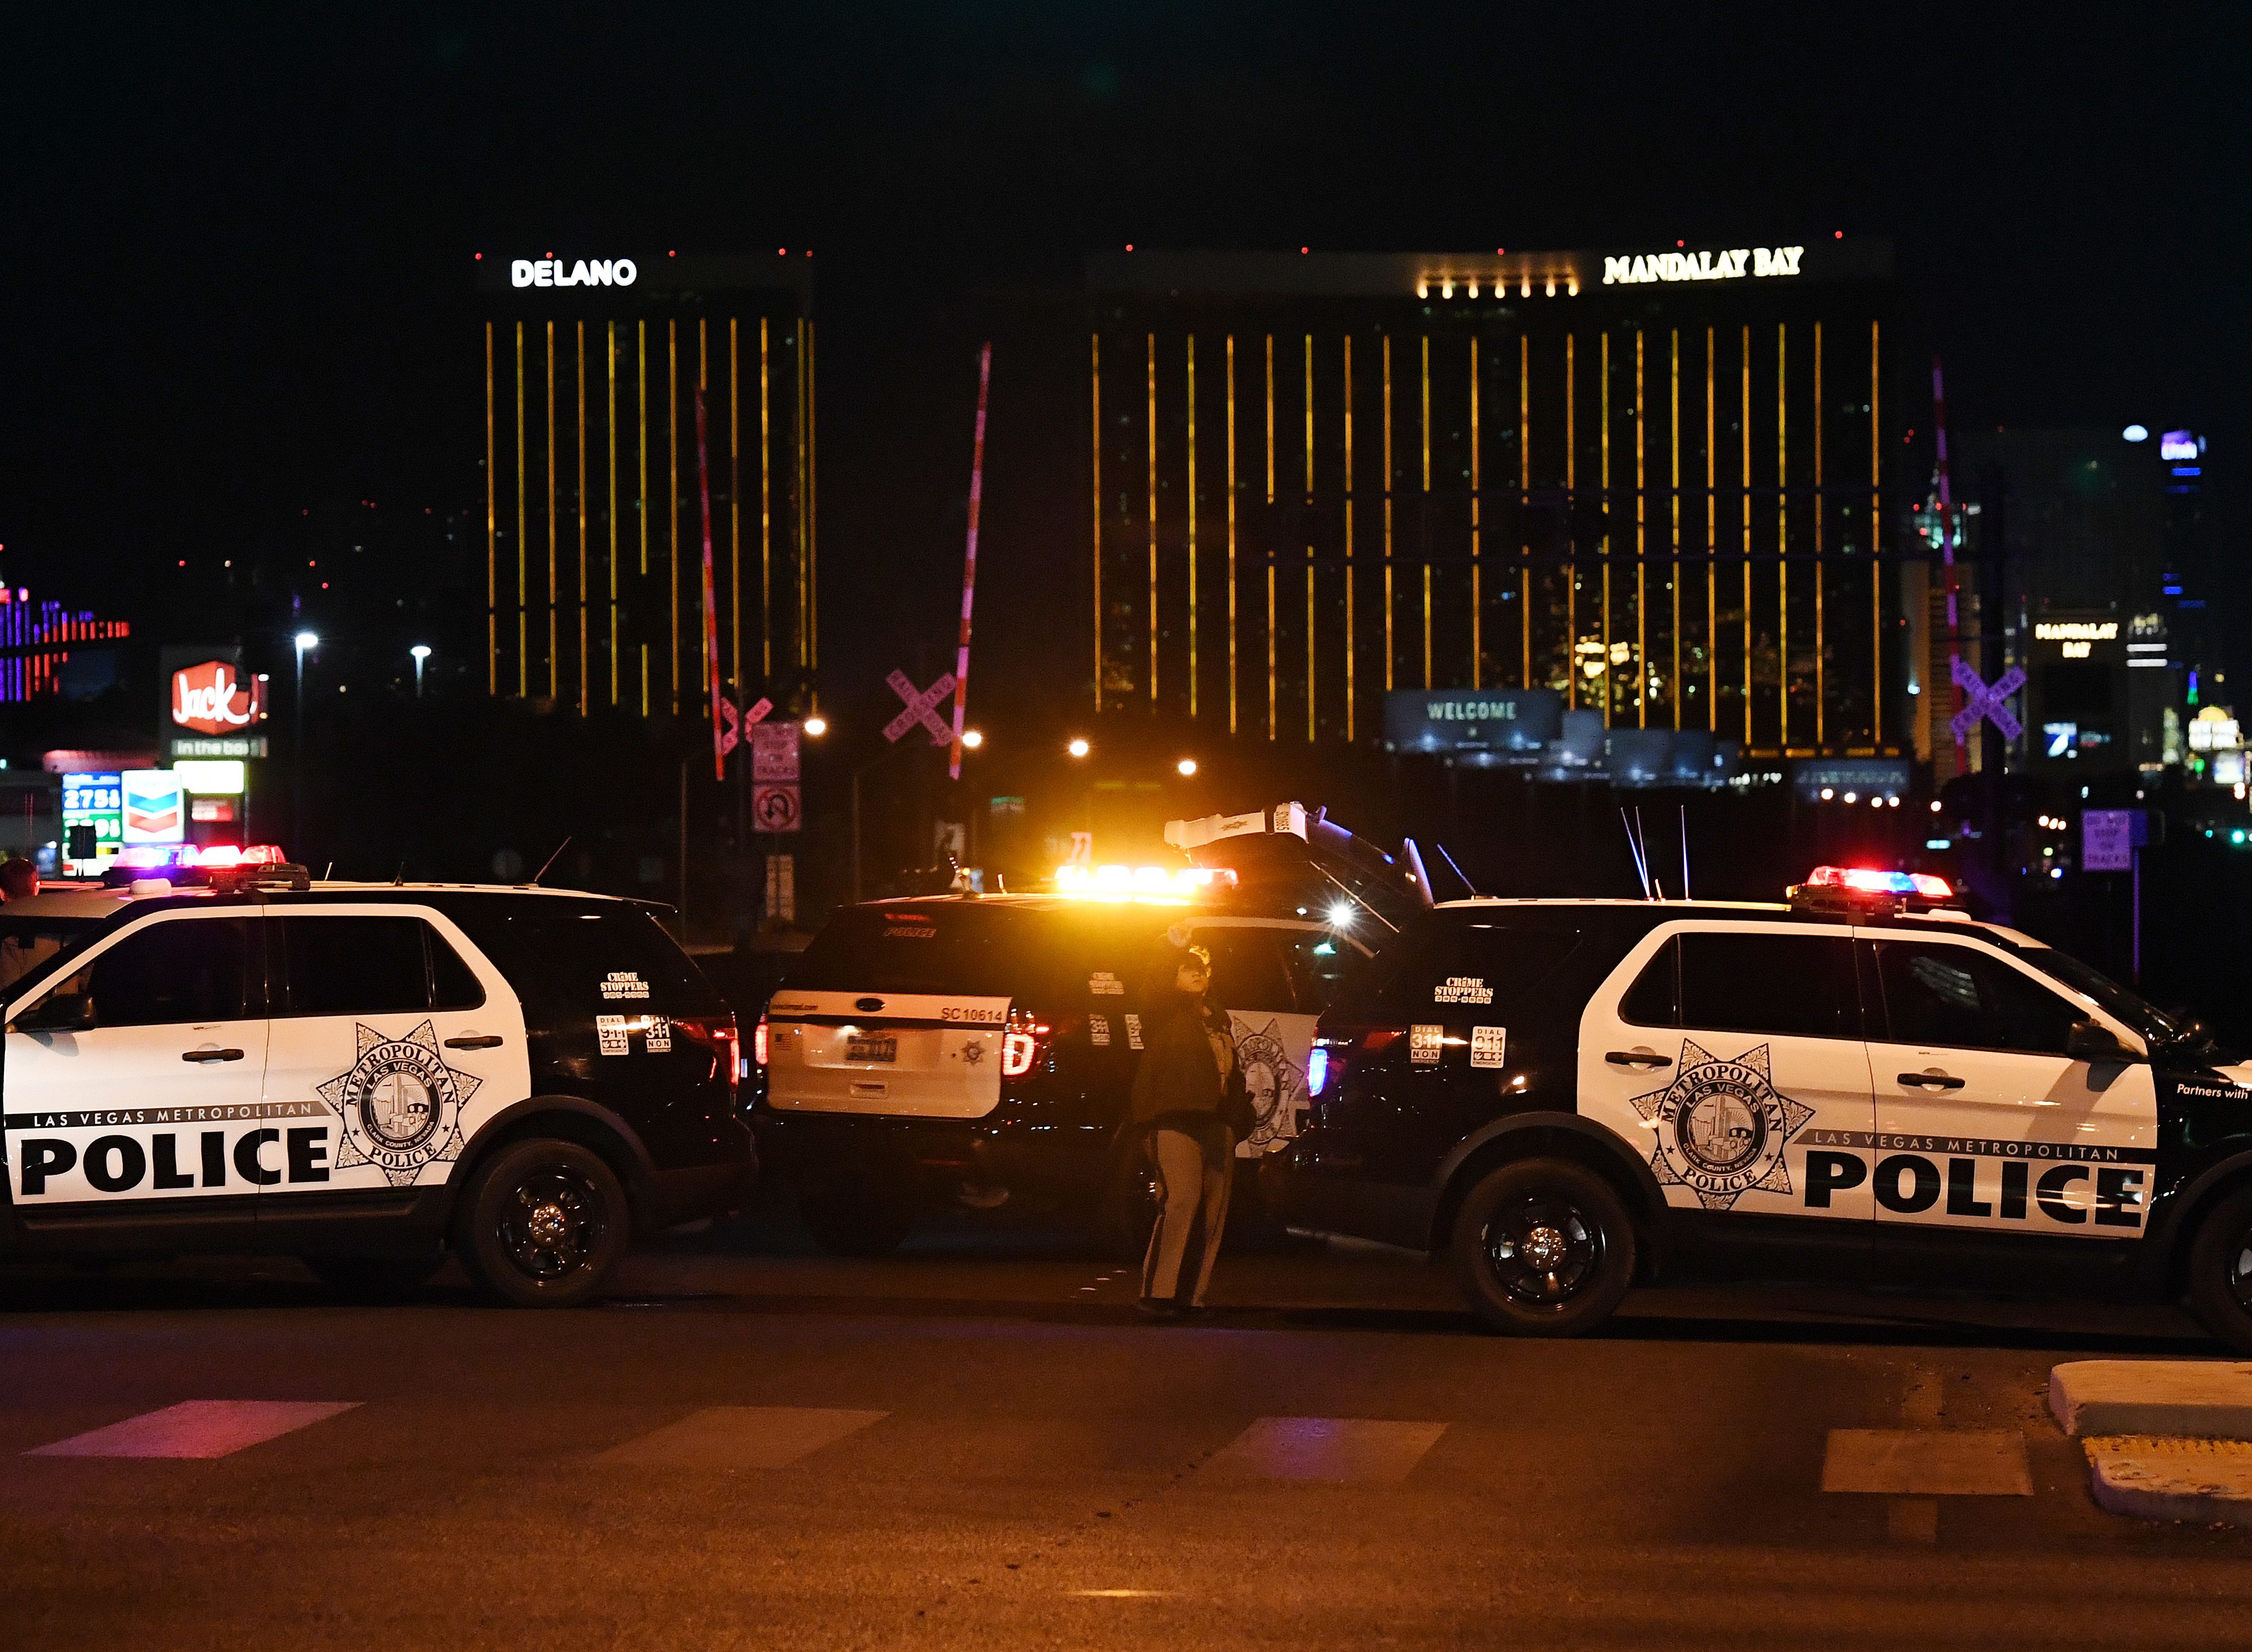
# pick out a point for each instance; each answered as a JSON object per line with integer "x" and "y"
{"x": 237, "y": 243}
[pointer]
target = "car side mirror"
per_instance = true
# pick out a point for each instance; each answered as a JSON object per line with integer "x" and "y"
{"x": 59, "y": 1013}
{"x": 2088, "y": 1041}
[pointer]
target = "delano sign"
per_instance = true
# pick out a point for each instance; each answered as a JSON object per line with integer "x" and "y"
{"x": 1732, "y": 264}
{"x": 585, "y": 272}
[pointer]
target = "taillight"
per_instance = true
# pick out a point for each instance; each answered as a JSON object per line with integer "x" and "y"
{"x": 716, "y": 1035}
{"x": 1024, "y": 1043}
{"x": 759, "y": 1044}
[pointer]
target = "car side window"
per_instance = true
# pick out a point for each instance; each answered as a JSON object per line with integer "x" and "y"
{"x": 1247, "y": 970}
{"x": 1317, "y": 961}
{"x": 1781, "y": 986}
{"x": 1959, "y": 997}
{"x": 454, "y": 984}
{"x": 353, "y": 965}
{"x": 188, "y": 970}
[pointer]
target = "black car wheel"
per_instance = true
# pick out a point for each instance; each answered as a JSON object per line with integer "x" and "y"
{"x": 2221, "y": 1270}
{"x": 1543, "y": 1248}
{"x": 543, "y": 1224}
{"x": 857, "y": 1210}
{"x": 374, "y": 1279}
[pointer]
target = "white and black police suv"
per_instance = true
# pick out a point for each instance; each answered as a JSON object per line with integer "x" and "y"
{"x": 364, "y": 1075}
{"x": 1564, "y": 1096}
{"x": 980, "y": 1050}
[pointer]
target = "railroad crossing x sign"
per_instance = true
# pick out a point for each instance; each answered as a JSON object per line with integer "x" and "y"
{"x": 729, "y": 733}
{"x": 921, "y": 708}
{"x": 1979, "y": 700}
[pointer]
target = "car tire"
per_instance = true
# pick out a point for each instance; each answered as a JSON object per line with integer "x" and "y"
{"x": 857, "y": 1212}
{"x": 374, "y": 1279}
{"x": 2221, "y": 1270}
{"x": 1543, "y": 1247}
{"x": 542, "y": 1224}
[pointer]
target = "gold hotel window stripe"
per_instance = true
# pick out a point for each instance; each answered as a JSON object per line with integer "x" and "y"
{"x": 1712, "y": 545}
{"x": 704, "y": 478}
{"x": 812, "y": 506}
{"x": 1387, "y": 514}
{"x": 1524, "y": 490}
{"x": 1744, "y": 445}
{"x": 1231, "y": 533}
{"x": 641, "y": 486}
{"x": 1095, "y": 380}
{"x": 1603, "y": 466}
{"x": 1310, "y": 549}
{"x": 1426, "y": 535}
{"x": 1571, "y": 501}
{"x": 1820, "y": 510}
{"x": 1876, "y": 568}
{"x": 1782, "y": 526}
{"x": 553, "y": 675}
{"x": 672, "y": 488}
{"x": 1673, "y": 582}
{"x": 1349, "y": 643}
{"x": 1477, "y": 587}
{"x": 580, "y": 329}
{"x": 1272, "y": 694}
{"x": 1152, "y": 423}
{"x": 610, "y": 359}
{"x": 492, "y": 535}
{"x": 1193, "y": 528}
{"x": 523, "y": 539}
{"x": 1641, "y": 552}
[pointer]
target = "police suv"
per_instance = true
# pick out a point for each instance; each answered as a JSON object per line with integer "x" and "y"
{"x": 980, "y": 1050}
{"x": 364, "y": 1075}
{"x": 1564, "y": 1096}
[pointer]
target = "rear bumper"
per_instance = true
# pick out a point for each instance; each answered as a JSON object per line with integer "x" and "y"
{"x": 1024, "y": 1159}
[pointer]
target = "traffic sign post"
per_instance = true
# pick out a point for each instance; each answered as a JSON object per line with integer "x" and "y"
{"x": 2113, "y": 841}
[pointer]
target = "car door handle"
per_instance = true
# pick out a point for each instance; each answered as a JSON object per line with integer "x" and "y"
{"x": 475, "y": 1040}
{"x": 210, "y": 1053}
{"x": 1929, "y": 1081}
{"x": 1637, "y": 1058}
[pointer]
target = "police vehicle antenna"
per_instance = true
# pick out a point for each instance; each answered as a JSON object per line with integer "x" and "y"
{"x": 1684, "y": 851}
{"x": 552, "y": 858}
{"x": 1457, "y": 871}
{"x": 328, "y": 871}
{"x": 1641, "y": 866}
{"x": 399, "y": 876}
{"x": 1350, "y": 896}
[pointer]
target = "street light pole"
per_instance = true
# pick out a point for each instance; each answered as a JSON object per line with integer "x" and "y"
{"x": 304, "y": 640}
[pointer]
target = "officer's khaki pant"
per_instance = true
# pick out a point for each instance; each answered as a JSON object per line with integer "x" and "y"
{"x": 1194, "y": 1181}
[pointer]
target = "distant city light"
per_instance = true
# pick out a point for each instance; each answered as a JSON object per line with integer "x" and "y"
{"x": 972, "y": 738}
{"x": 1078, "y": 747}
{"x": 816, "y": 725}
{"x": 1187, "y": 766}
{"x": 2136, "y": 433}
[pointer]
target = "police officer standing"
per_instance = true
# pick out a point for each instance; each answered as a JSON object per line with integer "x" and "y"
{"x": 1188, "y": 1101}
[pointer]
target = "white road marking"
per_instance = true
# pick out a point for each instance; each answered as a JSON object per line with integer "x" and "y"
{"x": 199, "y": 1428}
{"x": 1325, "y": 1448}
{"x": 741, "y": 1437}
{"x": 1918, "y": 1462}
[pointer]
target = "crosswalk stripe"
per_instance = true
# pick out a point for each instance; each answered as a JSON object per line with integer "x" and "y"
{"x": 1928, "y": 1462}
{"x": 741, "y": 1437}
{"x": 201, "y": 1428}
{"x": 1326, "y": 1448}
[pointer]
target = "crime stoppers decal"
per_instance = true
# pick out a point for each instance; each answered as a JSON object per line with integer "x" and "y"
{"x": 1722, "y": 1126}
{"x": 399, "y": 1103}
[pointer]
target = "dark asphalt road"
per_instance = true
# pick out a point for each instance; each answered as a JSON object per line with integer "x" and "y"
{"x": 976, "y": 1444}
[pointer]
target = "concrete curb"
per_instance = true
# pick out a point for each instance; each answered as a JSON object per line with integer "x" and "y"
{"x": 2162, "y": 1479}
{"x": 2202, "y": 1399}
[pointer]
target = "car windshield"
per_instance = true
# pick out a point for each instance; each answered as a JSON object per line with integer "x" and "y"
{"x": 2115, "y": 1000}
{"x": 29, "y": 945}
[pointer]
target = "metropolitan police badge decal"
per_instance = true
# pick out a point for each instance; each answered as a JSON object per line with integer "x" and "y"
{"x": 400, "y": 1103}
{"x": 1722, "y": 1126}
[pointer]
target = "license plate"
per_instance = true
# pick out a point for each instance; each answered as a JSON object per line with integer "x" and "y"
{"x": 883, "y": 1049}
